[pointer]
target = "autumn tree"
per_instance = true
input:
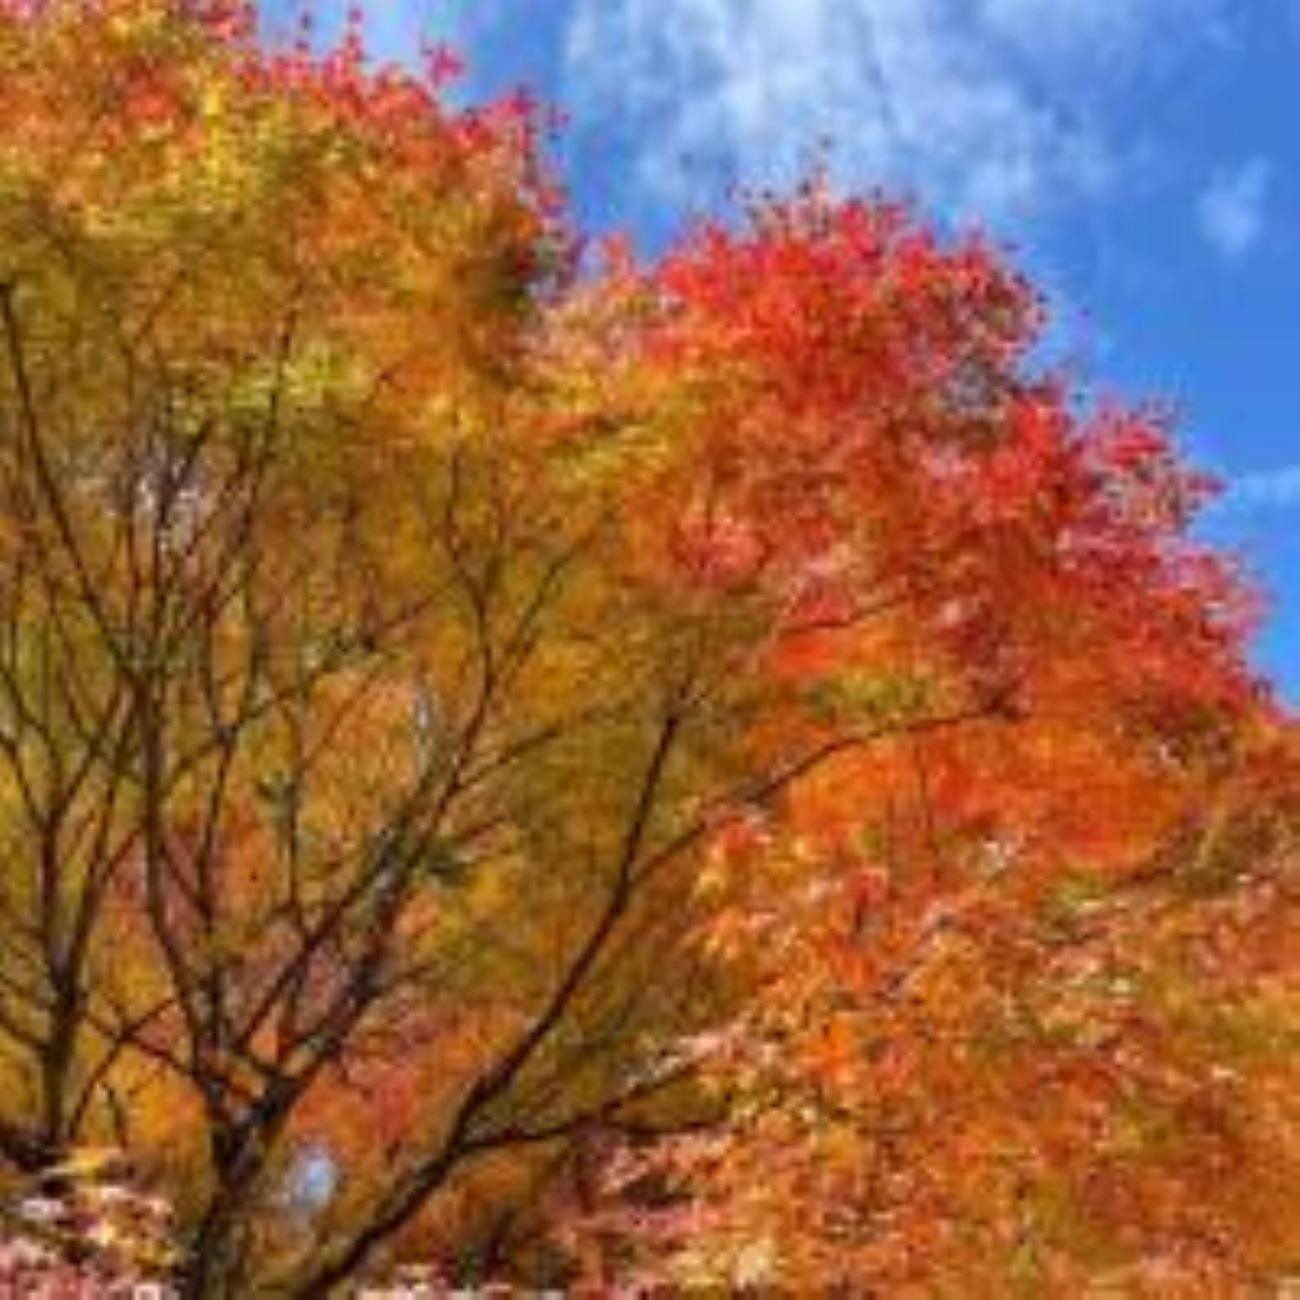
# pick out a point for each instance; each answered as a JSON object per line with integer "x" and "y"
{"x": 475, "y": 718}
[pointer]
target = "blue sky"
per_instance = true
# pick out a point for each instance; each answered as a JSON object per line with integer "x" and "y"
{"x": 1138, "y": 156}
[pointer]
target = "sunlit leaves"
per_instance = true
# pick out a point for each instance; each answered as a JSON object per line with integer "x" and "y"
{"x": 715, "y": 771}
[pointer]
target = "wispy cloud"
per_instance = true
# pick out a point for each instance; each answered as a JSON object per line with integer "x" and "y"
{"x": 989, "y": 107}
{"x": 1232, "y": 209}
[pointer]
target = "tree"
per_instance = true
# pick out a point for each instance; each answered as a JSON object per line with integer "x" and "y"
{"x": 429, "y": 659}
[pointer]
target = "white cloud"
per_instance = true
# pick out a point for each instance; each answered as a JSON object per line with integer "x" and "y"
{"x": 1103, "y": 34}
{"x": 989, "y": 107}
{"x": 1231, "y": 210}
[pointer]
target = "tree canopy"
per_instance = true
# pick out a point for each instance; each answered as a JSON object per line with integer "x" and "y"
{"x": 571, "y": 769}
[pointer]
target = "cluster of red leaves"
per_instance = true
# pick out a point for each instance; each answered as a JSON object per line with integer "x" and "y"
{"x": 882, "y": 421}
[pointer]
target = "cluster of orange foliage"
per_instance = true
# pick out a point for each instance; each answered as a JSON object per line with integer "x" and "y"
{"x": 711, "y": 772}
{"x": 1017, "y": 962}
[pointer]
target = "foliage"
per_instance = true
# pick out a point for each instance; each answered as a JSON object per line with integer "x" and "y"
{"x": 719, "y": 770}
